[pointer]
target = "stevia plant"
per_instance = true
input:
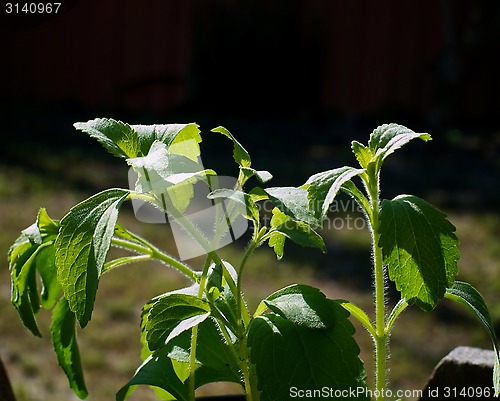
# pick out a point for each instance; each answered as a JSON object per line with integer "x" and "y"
{"x": 296, "y": 339}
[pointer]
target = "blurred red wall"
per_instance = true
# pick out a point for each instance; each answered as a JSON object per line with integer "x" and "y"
{"x": 338, "y": 56}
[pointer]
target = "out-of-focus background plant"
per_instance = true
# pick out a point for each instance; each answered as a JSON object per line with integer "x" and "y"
{"x": 277, "y": 74}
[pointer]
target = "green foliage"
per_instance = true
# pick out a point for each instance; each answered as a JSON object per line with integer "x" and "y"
{"x": 63, "y": 330}
{"x": 466, "y": 295}
{"x": 205, "y": 333}
{"x": 129, "y": 141}
{"x": 34, "y": 251}
{"x": 284, "y": 345}
{"x": 294, "y": 203}
{"x": 172, "y": 314}
{"x": 419, "y": 248}
{"x": 323, "y": 187}
{"x": 82, "y": 246}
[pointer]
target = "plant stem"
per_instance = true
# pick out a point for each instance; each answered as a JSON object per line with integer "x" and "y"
{"x": 381, "y": 336}
{"x": 155, "y": 253}
{"x": 251, "y": 393}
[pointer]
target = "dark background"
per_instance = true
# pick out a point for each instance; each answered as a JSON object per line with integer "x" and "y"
{"x": 294, "y": 80}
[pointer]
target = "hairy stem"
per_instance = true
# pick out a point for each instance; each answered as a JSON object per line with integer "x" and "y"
{"x": 251, "y": 392}
{"x": 154, "y": 253}
{"x": 381, "y": 336}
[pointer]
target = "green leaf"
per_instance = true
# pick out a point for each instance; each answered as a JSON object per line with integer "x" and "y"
{"x": 240, "y": 155}
{"x": 387, "y": 138}
{"x": 244, "y": 204}
{"x": 220, "y": 294}
{"x": 359, "y": 314}
{"x": 81, "y": 248}
{"x": 262, "y": 175}
{"x": 311, "y": 348}
{"x": 167, "y": 134}
{"x": 293, "y": 202}
{"x": 420, "y": 249}
{"x": 362, "y": 153}
{"x": 63, "y": 329}
{"x": 466, "y": 295}
{"x": 33, "y": 251}
{"x": 168, "y": 176}
{"x": 191, "y": 290}
{"x": 45, "y": 264}
{"x": 157, "y": 371}
{"x": 215, "y": 361}
{"x": 24, "y": 294}
{"x": 129, "y": 141}
{"x": 186, "y": 141}
{"x": 172, "y": 314}
{"x": 395, "y": 312}
{"x": 302, "y": 234}
{"x": 117, "y": 137}
{"x": 276, "y": 238}
{"x": 322, "y": 188}
{"x": 303, "y": 305}
{"x": 299, "y": 232}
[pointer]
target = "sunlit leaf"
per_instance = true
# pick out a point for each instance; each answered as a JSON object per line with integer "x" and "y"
{"x": 81, "y": 248}
{"x": 322, "y": 188}
{"x": 171, "y": 315}
{"x": 466, "y": 295}
{"x": 387, "y": 138}
{"x": 307, "y": 344}
{"x": 420, "y": 249}
{"x": 240, "y": 154}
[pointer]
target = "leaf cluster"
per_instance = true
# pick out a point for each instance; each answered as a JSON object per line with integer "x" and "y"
{"x": 205, "y": 332}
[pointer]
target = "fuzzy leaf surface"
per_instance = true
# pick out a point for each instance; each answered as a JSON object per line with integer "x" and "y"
{"x": 240, "y": 154}
{"x": 117, "y": 137}
{"x": 215, "y": 361}
{"x": 294, "y": 202}
{"x": 82, "y": 246}
{"x": 262, "y": 175}
{"x": 63, "y": 330}
{"x": 363, "y": 153}
{"x": 34, "y": 251}
{"x": 303, "y": 305}
{"x": 302, "y": 234}
{"x": 466, "y": 295}
{"x": 129, "y": 141}
{"x": 239, "y": 202}
{"x": 158, "y": 371}
{"x": 165, "y": 133}
{"x": 173, "y": 314}
{"x": 277, "y": 239}
{"x": 168, "y": 176}
{"x": 307, "y": 344}
{"x": 419, "y": 248}
{"x": 387, "y": 138}
{"x": 322, "y": 188}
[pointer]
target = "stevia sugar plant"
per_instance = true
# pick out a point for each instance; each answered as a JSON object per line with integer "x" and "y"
{"x": 296, "y": 339}
{"x": 413, "y": 245}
